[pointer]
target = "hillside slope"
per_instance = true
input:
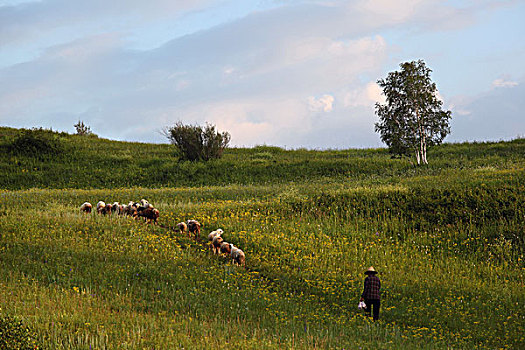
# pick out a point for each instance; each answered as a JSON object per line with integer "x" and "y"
{"x": 447, "y": 239}
{"x": 90, "y": 162}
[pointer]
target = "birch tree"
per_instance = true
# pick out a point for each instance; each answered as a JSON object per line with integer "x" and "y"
{"x": 412, "y": 119}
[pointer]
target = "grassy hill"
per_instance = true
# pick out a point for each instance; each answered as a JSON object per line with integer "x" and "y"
{"x": 447, "y": 239}
{"x": 90, "y": 162}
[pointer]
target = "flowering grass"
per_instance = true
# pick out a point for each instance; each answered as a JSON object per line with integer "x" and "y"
{"x": 447, "y": 239}
{"x": 449, "y": 251}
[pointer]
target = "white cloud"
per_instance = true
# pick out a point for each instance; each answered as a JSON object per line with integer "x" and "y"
{"x": 32, "y": 20}
{"x": 391, "y": 10}
{"x": 298, "y": 74}
{"x": 364, "y": 96}
{"x": 323, "y": 103}
{"x": 493, "y": 115}
{"x": 503, "y": 83}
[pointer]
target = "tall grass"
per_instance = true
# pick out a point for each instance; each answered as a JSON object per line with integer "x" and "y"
{"x": 114, "y": 282}
{"x": 447, "y": 240}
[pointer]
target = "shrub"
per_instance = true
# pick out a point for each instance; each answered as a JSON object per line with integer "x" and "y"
{"x": 36, "y": 143}
{"x": 14, "y": 335}
{"x": 195, "y": 142}
{"x": 82, "y": 129}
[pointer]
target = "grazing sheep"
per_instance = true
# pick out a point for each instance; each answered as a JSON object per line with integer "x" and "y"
{"x": 150, "y": 214}
{"x": 215, "y": 233}
{"x": 182, "y": 227}
{"x": 124, "y": 209}
{"x": 194, "y": 227}
{"x": 121, "y": 209}
{"x": 115, "y": 207}
{"x": 144, "y": 203}
{"x": 216, "y": 244}
{"x": 226, "y": 248}
{"x": 238, "y": 256}
{"x": 86, "y": 207}
{"x": 101, "y": 207}
{"x": 141, "y": 207}
{"x": 132, "y": 211}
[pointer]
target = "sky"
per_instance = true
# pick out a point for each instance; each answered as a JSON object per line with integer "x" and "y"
{"x": 288, "y": 73}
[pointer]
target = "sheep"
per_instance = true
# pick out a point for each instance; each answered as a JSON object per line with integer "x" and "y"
{"x": 128, "y": 210}
{"x": 144, "y": 203}
{"x": 116, "y": 207}
{"x": 216, "y": 244}
{"x": 181, "y": 227}
{"x": 150, "y": 214}
{"x": 141, "y": 207}
{"x": 238, "y": 256}
{"x": 101, "y": 207}
{"x": 124, "y": 209}
{"x": 215, "y": 233}
{"x": 226, "y": 248}
{"x": 194, "y": 227}
{"x": 86, "y": 207}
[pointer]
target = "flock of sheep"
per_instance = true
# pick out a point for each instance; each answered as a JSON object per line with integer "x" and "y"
{"x": 218, "y": 246}
{"x": 135, "y": 209}
{"x": 150, "y": 214}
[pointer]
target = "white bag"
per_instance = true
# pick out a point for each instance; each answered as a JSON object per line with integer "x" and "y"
{"x": 361, "y": 305}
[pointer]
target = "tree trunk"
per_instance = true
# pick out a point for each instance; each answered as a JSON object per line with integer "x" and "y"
{"x": 423, "y": 145}
{"x": 424, "y": 155}
{"x": 421, "y": 153}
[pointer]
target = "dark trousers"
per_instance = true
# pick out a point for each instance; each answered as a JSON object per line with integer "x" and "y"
{"x": 375, "y": 304}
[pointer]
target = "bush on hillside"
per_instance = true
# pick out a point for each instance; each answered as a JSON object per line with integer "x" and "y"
{"x": 36, "y": 143}
{"x": 14, "y": 335}
{"x": 194, "y": 142}
{"x": 83, "y": 129}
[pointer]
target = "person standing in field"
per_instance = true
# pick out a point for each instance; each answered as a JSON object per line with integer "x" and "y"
{"x": 371, "y": 293}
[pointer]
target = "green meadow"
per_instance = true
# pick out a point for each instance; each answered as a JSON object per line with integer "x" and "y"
{"x": 447, "y": 239}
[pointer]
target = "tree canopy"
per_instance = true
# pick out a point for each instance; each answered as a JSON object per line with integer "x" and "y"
{"x": 412, "y": 118}
{"x": 195, "y": 142}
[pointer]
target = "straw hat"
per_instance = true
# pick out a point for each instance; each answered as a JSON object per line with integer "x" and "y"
{"x": 370, "y": 270}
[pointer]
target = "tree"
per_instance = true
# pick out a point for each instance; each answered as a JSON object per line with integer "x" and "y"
{"x": 412, "y": 118}
{"x": 194, "y": 142}
{"x": 82, "y": 129}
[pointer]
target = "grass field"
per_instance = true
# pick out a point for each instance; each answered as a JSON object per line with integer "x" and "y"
{"x": 447, "y": 239}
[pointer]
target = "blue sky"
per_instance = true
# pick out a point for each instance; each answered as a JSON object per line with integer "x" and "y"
{"x": 276, "y": 72}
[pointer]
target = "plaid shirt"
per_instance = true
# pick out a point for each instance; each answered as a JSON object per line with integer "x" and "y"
{"x": 372, "y": 286}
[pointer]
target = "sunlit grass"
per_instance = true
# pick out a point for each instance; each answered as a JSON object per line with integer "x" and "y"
{"x": 109, "y": 282}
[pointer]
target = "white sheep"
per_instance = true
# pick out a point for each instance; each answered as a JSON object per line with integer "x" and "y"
{"x": 194, "y": 228}
{"x": 181, "y": 227}
{"x": 215, "y": 233}
{"x": 116, "y": 207}
{"x": 124, "y": 209}
{"x": 86, "y": 207}
{"x": 101, "y": 207}
{"x": 216, "y": 244}
{"x": 238, "y": 256}
{"x": 226, "y": 248}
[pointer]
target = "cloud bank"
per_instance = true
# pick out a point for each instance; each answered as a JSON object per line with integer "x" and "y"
{"x": 294, "y": 74}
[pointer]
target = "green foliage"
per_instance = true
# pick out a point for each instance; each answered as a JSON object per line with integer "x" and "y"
{"x": 82, "y": 129}
{"x": 36, "y": 143}
{"x": 412, "y": 118}
{"x": 15, "y": 336}
{"x": 195, "y": 142}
